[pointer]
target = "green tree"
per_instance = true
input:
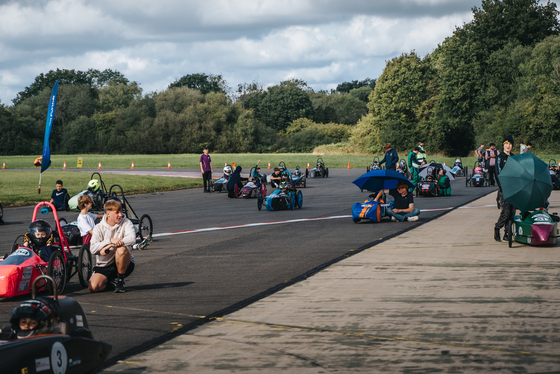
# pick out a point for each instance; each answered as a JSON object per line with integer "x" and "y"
{"x": 118, "y": 96}
{"x": 203, "y": 82}
{"x": 349, "y": 86}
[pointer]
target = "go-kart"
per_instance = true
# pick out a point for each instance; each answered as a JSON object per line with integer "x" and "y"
{"x": 299, "y": 178}
{"x": 70, "y": 347}
{"x": 221, "y": 184}
{"x": 479, "y": 176}
{"x": 19, "y": 269}
{"x": 429, "y": 185}
{"x": 371, "y": 210}
{"x": 402, "y": 168}
{"x": 458, "y": 168}
{"x": 143, "y": 225}
{"x": 99, "y": 197}
{"x": 279, "y": 200}
{"x": 535, "y": 228}
{"x": 255, "y": 186}
{"x": 319, "y": 170}
{"x": 375, "y": 164}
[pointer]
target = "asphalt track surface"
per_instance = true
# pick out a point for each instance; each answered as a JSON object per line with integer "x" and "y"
{"x": 180, "y": 281}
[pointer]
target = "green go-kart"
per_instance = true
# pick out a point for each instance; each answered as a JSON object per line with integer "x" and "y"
{"x": 537, "y": 228}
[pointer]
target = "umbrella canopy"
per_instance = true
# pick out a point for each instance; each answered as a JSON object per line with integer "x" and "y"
{"x": 436, "y": 165}
{"x": 377, "y": 180}
{"x": 525, "y": 182}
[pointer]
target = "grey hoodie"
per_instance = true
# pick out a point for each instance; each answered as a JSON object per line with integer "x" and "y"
{"x": 102, "y": 235}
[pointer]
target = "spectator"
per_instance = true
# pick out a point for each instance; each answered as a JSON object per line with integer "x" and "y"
{"x": 479, "y": 153}
{"x": 522, "y": 147}
{"x": 206, "y": 169}
{"x": 275, "y": 177}
{"x": 490, "y": 157}
{"x": 86, "y": 220}
{"x": 391, "y": 157}
{"x": 507, "y": 210}
{"x": 528, "y": 147}
{"x": 111, "y": 241}
{"x": 414, "y": 165}
{"x": 403, "y": 207}
{"x": 421, "y": 153}
{"x": 59, "y": 196}
{"x": 235, "y": 181}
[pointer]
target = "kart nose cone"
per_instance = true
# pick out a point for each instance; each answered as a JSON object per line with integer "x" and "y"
{"x": 541, "y": 234}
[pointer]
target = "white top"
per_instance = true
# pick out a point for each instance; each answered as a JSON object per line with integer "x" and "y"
{"x": 86, "y": 222}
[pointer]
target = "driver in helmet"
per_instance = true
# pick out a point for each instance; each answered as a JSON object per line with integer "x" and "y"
{"x": 39, "y": 237}
{"x": 227, "y": 172}
{"x": 95, "y": 191}
{"x": 32, "y": 317}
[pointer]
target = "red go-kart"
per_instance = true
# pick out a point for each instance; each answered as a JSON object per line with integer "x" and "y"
{"x": 23, "y": 265}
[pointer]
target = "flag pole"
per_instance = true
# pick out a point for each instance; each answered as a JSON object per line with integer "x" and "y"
{"x": 39, "y": 190}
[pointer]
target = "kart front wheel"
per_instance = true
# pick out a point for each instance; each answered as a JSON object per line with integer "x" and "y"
{"x": 327, "y": 173}
{"x": 145, "y": 227}
{"x": 260, "y": 202}
{"x": 292, "y": 201}
{"x": 57, "y": 271}
{"x": 84, "y": 265}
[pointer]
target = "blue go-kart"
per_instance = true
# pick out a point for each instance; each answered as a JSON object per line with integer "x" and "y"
{"x": 280, "y": 200}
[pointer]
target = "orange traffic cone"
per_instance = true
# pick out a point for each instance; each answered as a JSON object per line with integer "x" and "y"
{"x": 308, "y": 165}
{"x": 269, "y": 165}
{"x": 99, "y": 167}
{"x": 132, "y": 167}
{"x": 169, "y": 164}
{"x": 233, "y": 165}
{"x": 64, "y": 167}
{"x": 3, "y": 165}
{"x": 348, "y": 165}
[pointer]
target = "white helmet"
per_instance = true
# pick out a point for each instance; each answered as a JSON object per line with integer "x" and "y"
{"x": 457, "y": 161}
{"x": 227, "y": 170}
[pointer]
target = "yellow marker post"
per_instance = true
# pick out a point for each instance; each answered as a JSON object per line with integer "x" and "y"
{"x": 80, "y": 161}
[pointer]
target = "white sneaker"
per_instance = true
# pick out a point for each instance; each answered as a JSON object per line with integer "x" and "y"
{"x": 412, "y": 219}
{"x": 394, "y": 219}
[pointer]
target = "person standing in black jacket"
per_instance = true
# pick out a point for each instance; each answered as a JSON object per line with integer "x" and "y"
{"x": 391, "y": 157}
{"x": 507, "y": 210}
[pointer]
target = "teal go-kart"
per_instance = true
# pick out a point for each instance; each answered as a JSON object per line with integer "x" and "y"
{"x": 535, "y": 228}
{"x": 280, "y": 200}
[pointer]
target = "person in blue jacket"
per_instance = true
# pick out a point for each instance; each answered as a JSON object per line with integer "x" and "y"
{"x": 391, "y": 157}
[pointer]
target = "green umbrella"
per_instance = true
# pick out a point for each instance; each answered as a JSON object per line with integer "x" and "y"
{"x": 525, "y": 182}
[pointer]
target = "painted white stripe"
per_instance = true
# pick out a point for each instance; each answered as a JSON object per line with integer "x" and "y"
{"x": 209, "y": 229}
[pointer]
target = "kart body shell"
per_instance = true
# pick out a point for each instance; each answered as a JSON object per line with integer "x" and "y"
{"x": 538, "y": 228}
{"x": 291, "y": 199}
{"x": 373, "y": 211}
{"x": 299, "y": 178}
{"x": 255, "y": 187}
{"x": 19, "y": 270}
{"x": 220, "y": 185}
{"x": 320, "y": 170}
{"x": 70, "y": 348}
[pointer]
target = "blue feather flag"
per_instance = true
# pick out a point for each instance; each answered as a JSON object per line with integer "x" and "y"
{"x": 46, "y": 161}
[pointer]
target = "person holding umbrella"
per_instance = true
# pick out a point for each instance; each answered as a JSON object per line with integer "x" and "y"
{"x": 391, "y": 157}
{"x": 507, "y": 210}
{"x": 403, "y": 207}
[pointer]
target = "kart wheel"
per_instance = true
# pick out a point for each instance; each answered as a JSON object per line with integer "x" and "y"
{"x": 84, "y": 265}
{"x": 292, "y": 201}
{"x": 466, "y": 182}
{"x": 145, "y": 227}
{"x": 57, "y": 271}
{"x": 260, "y": 202}
{"x": 305, "y": 183}
{"x": 327, "y": 173}
{"x": 66, "y": 200}
{"x": 17, "y": 243}
{"x": 510, "y": 233}
{"x": 300, "y": 199}
{"x": 356, "y": 220}
{"x": 63, "y": 221}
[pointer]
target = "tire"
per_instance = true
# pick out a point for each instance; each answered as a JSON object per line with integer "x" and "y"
{"x": 300, "y": 199}
{"x": 356, "y": 220}
{"x": 260, "y": 202}
{"x": 17, "y": 242}
{"x": 84, "y": 265}
{"x": 66, "y": 200}
{"x": 510, "y": 233}
{"x": 62, "y": 219}
{"x": 57, "y": 271}
{"x": 292, "y": 201}
{"x": 145, "y": 227}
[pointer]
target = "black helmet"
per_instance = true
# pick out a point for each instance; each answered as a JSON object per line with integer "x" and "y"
{"x": 34, "y": 309}
{"x": 39, "y": 231}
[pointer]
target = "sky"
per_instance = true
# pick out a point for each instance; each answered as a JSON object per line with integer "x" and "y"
{"x": 324, "y": 42}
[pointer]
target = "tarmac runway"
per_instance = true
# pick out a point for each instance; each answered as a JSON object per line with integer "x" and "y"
{"x": 182, "y": 280}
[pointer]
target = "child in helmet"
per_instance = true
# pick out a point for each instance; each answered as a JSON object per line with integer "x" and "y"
{"x": 95, "y": 191}
{"x": 32, "y": 317}
{"x": 39, "y": 237}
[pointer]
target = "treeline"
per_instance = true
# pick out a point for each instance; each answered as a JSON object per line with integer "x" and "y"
{"x": 497, "y": 75}
{"x": 102, "y": 112}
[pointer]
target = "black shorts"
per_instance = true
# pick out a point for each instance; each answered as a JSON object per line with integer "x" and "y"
{"x": 110, "y": 271}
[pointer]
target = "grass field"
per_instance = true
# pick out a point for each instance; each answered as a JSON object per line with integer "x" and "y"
{"x": 19, "y": 187}
{"x": 218, "y": 160}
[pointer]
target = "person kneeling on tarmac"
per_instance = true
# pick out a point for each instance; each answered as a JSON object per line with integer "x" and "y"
{"x": 403, "y": 207}
{"x": 111, "y": 241}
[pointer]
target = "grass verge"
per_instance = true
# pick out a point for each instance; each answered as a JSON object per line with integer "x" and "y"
{"x": 19, "y": 187}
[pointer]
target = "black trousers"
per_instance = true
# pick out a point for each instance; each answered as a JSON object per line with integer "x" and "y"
{"x": 491, "y": 175}
{"x": 506, "y": 214}
{"x": 206, "y": 178}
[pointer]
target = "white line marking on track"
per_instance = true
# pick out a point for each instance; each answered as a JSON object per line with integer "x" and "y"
{"x": 209, "y": 229}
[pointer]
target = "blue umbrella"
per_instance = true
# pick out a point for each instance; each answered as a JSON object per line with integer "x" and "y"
{"x": 377, "y": 180}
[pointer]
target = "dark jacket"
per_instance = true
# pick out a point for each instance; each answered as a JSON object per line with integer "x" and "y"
{"x": 500, "y": 163}
{"x": 391, "y": 158}
{"x": 235, "y": 178}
